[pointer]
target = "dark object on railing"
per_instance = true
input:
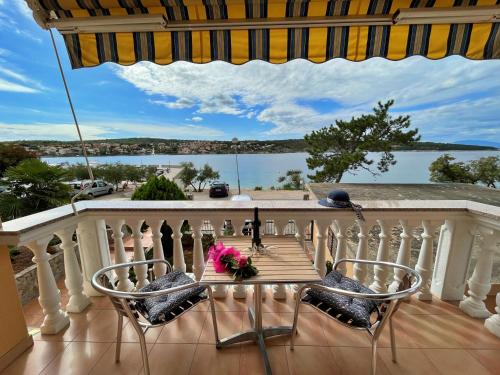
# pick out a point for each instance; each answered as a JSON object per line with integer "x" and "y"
{"x": 256, "y": 241}
{"x": 340, "y": 199}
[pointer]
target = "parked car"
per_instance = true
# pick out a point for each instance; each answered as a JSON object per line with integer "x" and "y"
{"x": 219, "y": 189}
{"x": 99, "y": 187}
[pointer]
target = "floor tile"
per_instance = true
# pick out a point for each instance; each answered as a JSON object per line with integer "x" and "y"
{"x": 357, "y": 361}
{"x": 409, "y": 362}
{"x": 35, "y": 359}
{"x": 436, "y": 306}
{"x": 208, "y": 360}
{"x": 455, "y": 361}
{"x": 228, "y": 323}
{"x": 171, "y": 359}
{"x": 251, "y": 360}
{"x": 308, "y": 360}
{"x": 309, "y": 328}
{"x": 102, "y": 329}
{"x": 130, "y": 360}
{"x": 185, "y": 329}
{"x": 489, "y": 358}
{"x": 78, "y": 323}
{"x": 77, "y": 358}
{"x": 339, "y": 335}
{"x": 129, "y": 334}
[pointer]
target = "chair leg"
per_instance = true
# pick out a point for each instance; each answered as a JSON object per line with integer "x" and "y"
{"x": 295, "y": 317}
{"x": 393, "y": 340}
{"x": 374, "y": 356}
{"x": 119, "y": 337}
{"x": 214, "y": 317}
{"x": 144, "y": 352}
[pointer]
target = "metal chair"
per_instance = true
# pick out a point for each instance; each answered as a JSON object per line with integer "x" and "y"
{"x": 127, "y": 303}
{"x": 385, "y": 304}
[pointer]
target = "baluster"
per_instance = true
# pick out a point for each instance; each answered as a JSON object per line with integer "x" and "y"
{"x": 340, "y": 227}
{"x": 404, "y": 254}
{"x": 279, "y": 290}
{"x": 50, "y": 297}
{"x": 141, "y": 271}
{"x": 360, "y": 270}
{"x": 381, "y": 273}
{"x": 480, "y": 281}
{"x": 73, "y": 275}
{"x": 179, "y": 262}
{"x": 300, "y": 226}
{"x": 159, "y": 268}
{"x": 219, "y": 291}
{"x": 198, "y": 258}
{"x": 492, "y": 324}
{"x": 124, "y": 284}
{"x": 320, "y": 253}
{"x": 424, "y": 263}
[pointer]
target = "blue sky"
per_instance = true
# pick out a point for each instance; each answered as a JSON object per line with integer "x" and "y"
{"x": 448, "y": 100}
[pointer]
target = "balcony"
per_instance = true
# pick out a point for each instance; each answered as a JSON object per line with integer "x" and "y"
{"x": 438, "y": 330}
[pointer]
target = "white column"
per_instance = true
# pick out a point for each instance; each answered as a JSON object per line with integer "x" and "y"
{"x": 381, "y": 273}
{"x": 341, "y": 251}
{"x": 480, "y": 281}
{"x": 424, "y": 263}
{"x": 300, "y": 236}
{"x": 159, "y": 269}
{"x": 124, "y": 284}
{"x": 93, "y": 246}
{"x": 360, "y": 270}
{"x": 320, "y": 253}
{"x": 141, "y": 271}
{"x": 404, "y": 254}
{"x": 50, "y": 297}
{"x": 492, "y": 324}
{"x": 219, "y": 291}
{"x": 73, "y": 276}
{"x": 198, "y": 257}
{"x": 179, "y": 261}
{"x": 279, "y": 290}
{"x": 452, "y": 258}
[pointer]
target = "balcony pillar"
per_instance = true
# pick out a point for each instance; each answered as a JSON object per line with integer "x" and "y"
{"x": 381, "y": 273}
{"x": 73, "y": 276}
{"x": 219, "y": 291}
{"x": 141, "y": 272}
{"x": 93, "y": 247}
{"x": 159, "y": 269}
{"x": 300, "y": 225}
{"x": 424, "y": 263}
{"x": 279, "y": 290}
{"x": 452, "y": 259}
{"x": 179, "y": 262}
{"x": 360, "y": 270}
{"x": 403, "y": 257}
{"x": 341, "y": 251}
{"x": 50, "y": 297}
{"x": 480, "y": 281}
{"x": 320, "y": 253}
{"x": 124, "y": 284}
{"x": 492, "y": 324}
{"x": 198, "y": 257}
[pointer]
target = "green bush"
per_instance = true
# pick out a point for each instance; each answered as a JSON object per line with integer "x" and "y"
{"x": 258, "y": 188}
{"x": 329, "y": 267}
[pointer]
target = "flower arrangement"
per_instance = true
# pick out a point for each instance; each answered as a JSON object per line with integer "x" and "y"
{"x": 228, "y": 259}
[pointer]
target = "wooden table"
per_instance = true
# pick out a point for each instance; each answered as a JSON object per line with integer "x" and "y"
{"x": 287, "y": 263}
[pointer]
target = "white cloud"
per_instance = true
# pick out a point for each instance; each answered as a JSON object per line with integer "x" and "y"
{"x": 96, "y": 130}
{"x": 15, "y": 87}
{"x": 23, "y": 8}
{"x": 197, "y": 119}
{"x": 300, "y": 96}
{"x": 24, "y": 84}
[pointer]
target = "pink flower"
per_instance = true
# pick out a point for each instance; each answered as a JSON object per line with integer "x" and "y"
{"x": 242, "y": 262}
{"x": 231, "y": 251}
{"x": 215, "y": 250}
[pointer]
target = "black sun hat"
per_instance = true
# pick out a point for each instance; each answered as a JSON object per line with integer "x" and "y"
{"x": 340, "y": 199}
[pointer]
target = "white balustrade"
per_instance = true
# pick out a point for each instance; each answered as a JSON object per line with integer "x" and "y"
{"x": 141, "y": 271}
{"x": 404, "y": 254}
{"x": 300, "y": 236}
{"x": 179, "y": 261}
{"x": 219, "y": 291}
{"x": 124, "y": 283}
{"x": 198, "y": 257}
{"x": 424, "y": 263}
{"x": 340, "y": 227}
{"x": 279, "y": 290}
{"x": 381, "y": 273}
{"x": 492, "y": 324}
{"x": 159, "y": 268}
{"x": 74, "y": 280}
{"x": 49, "y": 295}
{"x": 320, "y": 253}
{"x": 480, "y": 281}
{"x": 359, "y": 269}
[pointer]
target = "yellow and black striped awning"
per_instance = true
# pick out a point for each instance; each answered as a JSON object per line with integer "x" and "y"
{"x": 239, "y": 44}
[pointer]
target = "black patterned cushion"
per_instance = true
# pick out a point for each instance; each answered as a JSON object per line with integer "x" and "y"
{"x": 352, "y": 311}
{"x": 164, "y": 308}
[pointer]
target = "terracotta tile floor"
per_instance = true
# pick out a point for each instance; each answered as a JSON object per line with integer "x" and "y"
{"x": 433, "y": 338}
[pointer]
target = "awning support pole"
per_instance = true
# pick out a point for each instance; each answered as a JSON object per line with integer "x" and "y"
{"x": 82, "y": 143}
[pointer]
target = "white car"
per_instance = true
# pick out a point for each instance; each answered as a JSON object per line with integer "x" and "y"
{"x": 99, "y": 187}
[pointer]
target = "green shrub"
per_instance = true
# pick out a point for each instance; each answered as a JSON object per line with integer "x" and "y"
{"x": 258, "y": 188}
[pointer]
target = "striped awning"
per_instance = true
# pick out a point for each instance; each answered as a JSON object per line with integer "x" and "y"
{"x": 237, "y": 31}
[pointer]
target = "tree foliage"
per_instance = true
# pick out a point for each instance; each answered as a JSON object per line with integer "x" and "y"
{"x": 11, "y": 155}
{"x": 486, "y": 170}
{"x": 190, "y": 176}
{"x": 344, "y": 147}
{"x": 34, "y": 186}
{"x": 292, "y": 180}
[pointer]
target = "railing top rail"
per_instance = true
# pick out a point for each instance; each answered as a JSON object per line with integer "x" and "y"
{"x": 17, "y": 227}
